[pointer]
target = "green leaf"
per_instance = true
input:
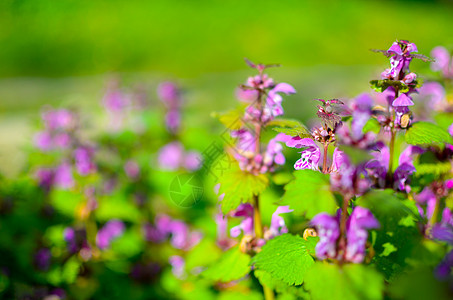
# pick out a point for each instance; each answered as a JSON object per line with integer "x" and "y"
{"x": 117, "y": 207}
{"x": 282, "y": 178}
{"x": 398, "y": 227}
{"x": 231, "y": 119}
{"x": 349, "y": 282}
{"x": 388, "y": 249}
{"x": 381, "y": 85}
{"x": 240, "y": 187}
{"x": 436, "y": 169}
{"x": 286, "y": 258}
{"x": 427, "y": 134}
{"x": 66, "y": 202}
{"x": 232, "y": 265}
{"x": 309, "y": 194}
{"x": 444, "y": 120}
{"x": 372, "y": 125}
{"x": 290, "y": 127}
{"x": 419, "y": 284}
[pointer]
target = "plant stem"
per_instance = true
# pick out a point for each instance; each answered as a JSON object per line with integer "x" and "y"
{"x": 343, "y": 220}
{"x": 268, "y": 292}
{"x": 257, "y": 217}
{"x": 391, "y": 145}
{"x": 324, "y": 162}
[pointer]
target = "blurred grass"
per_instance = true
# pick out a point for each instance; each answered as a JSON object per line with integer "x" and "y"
{"x": 58, "y": 52}
{"x": 188, "y": 38}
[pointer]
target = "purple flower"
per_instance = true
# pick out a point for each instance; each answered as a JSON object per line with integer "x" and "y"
{"x": 111, "y": 230}
{"x": 361, "y": 114}
{"x": 76, "y": 240}
{"x": 177, "y": 263}
{"x": 309, "y": 157}
{"x": 328, "y": 229}
{"x": 247, "y": 95}
{"x": 403, "y": 100}
{"x": 358, "y": 223}
{"x": 59, "y": 119}
{"x": 115, "y": 101}
{"x": 278, "y": 225}
{"x": 244, "y": 210}
{"x": 192, "y": 161}
{"x": 45, "y": 178}
{"x": 169, "y": 93}
{"x": 435, "y": 93}
{"x": 43, "y": 141}
{"x": 173, "y": 120}
{"x": 132, "y": 169}
{"x": 84, "y": 163}
{"x": 171, "y": 156}
{"x": 273, "y": 106}
{"x": 42, "y": 259}
{"x": 63, "y": 176}
{"x": 428, "y": 198}
{"x": 443, "y": 61}
{"x": 400, "y": 60}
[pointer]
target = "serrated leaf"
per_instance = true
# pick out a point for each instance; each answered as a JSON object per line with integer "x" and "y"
{"x": 436, "y": 169}
{"x": 382, "y": 85}
{"x": 290, "y": 127}
{"x": 286, "y": 258}
{"x": 239, "y": 187}
{"x": 231, "y": 119}
{"x": 427, "y": 134}
{"x": 398, "y": 227}
{"x": 232, "y": 265}
{"x": 372, "y": 125}
{"x": 309, "y": 193}
{"x": 349, "y": 282}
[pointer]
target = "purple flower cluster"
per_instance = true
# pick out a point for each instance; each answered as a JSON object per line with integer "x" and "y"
{"x": 173, "y": 157}
{"x": 443, "y": 62}
{"x": 377, "y": 168}
{"x": 356, "y": 235}
{"x": 253, "y": 162}
{"x": 178, "y": 232}
{"x": 265, "y": 100}
{"x": 111, "y": 230}
{"x": 170, "y": 95}
{"x": 76, "y": 240}
{"x": 59, "y": 125}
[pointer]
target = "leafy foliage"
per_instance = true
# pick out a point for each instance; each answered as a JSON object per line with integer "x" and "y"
{"x": 239, "y": 187}
{"x": 381, "y": 85}
{"x": 286, "y": 258}
{"x": 330, "y": 281}
{"x": 427, "y": 134}
{"x": 290, "y": 127}
{"x": 231, "y": 119}
{"x": 309, "y": 194}
{"x": 232, "y": 265}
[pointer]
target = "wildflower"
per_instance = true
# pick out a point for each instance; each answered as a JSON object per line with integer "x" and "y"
{"x": 132, "y": 169}
{"x": 84, "y": 163}
{"x": 443, "y": 62}
{"x": 111, "y": 230}
{"x": 328, "y": 230}
{"x": 278, "y": 225}
{"x": 177, "y": 263}
{"x": 244, "y": 210}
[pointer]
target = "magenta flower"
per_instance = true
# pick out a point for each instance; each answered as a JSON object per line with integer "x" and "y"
{"x": 361, "y": 113}
{"x": 328, "y": 228}
{"x": 63, "y": 176}
{"x": 59, "y": 119}
{"x": 171, "y": 156}
{"x": 278, "y": 225}
{"x": 84, "y": 160}
{"x": 400, "y": 59}
{"x": 244, "y": 210}
{"x": 273, "y": 106}
{"x": 358, "y": 223}
{"x": 177, "y": 263}
{"x": 435, "y": 94}
{"x": 132, "y": 169}
{"x": 111, "y": 230}
{"x": 169, "y": 93}
{"x": 443, "y": 61}
{"x": 309, "y": 157}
